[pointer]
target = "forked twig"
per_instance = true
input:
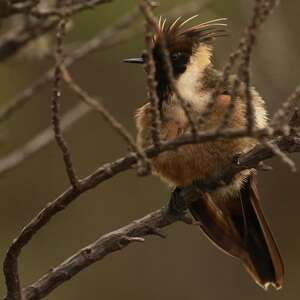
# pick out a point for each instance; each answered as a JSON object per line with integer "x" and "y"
{"x": 156, "y": 113}
{"x": 275, "y": 142}
{"x": 55, "y": 106}
{"x": 41, "y": 140}
{"x": 146, "y": 8}
{"x": 144, "y": 166}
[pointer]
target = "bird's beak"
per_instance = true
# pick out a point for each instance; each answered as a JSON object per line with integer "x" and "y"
{"x": 138, "y": 60}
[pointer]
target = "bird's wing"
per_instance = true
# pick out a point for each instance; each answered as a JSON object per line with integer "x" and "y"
{"x": 258, "y": 238}
{"x": 214, "y": 222}
{"x": 238, "y": 227}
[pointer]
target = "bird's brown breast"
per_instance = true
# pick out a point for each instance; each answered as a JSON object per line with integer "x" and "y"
{"x": 194, "y": 161}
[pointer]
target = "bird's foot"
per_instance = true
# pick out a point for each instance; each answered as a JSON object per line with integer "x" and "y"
{"x": 177, "y": 205}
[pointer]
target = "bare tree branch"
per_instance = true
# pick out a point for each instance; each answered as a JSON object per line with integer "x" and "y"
{"x": 144, "y": 166}
{"x": 146, "y": 8}
{"x": 156, "y": 114}
{"x": 15, "y": 39}
{"x": 48, "y": 19}
{"x": 110, "y": 37}
{"x": 105, "y": 39}
{"x": 250, "y": 160}
{"x": 281, "y": 117}
{"x": 276, "y": 141}
{"x": 41, "y": 140}
{"x": 55, "y": 105}
{"x": 262, "y": 9}
{"x": 73, "y": 8}
{"x": 117, "y": 240}
{"x": 105, "y": 245}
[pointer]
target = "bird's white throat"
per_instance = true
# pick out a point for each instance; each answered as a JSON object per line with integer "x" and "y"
{"x": 189, "y": 83}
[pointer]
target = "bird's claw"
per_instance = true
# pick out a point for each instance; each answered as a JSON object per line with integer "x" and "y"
{"x": 236, "y": 158}
{"x": 177, "y": 205}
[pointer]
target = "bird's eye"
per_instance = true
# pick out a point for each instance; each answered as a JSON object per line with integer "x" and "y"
{"x": 176, "y": 55}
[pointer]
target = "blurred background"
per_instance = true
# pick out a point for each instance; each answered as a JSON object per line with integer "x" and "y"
{"x": 185, "y": 264}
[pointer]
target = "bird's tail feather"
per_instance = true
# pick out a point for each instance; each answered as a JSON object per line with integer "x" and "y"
{"x": 239, "y": 228}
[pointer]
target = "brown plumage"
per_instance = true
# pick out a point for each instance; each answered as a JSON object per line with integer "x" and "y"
{"x": 230, "y": 216}
{"x": 239, "y": 228}
{"x": 190, "y": 162}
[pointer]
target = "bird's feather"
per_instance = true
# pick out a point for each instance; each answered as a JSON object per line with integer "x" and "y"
{"x": 238, "y": 227}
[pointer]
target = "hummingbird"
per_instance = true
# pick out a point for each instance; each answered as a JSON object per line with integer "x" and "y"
{"x": 231, "y": 216}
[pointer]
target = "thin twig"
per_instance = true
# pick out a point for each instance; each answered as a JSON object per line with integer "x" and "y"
{"x": 41, "y": 140}
{"x": 72, "y": 9}
{"x": 107, "y": 171}
{"x": 108, "y": 117}
{"x": 135, "y": 231}
{"x": 105, "y": 245}
{"x": 262, "y": 9}
{"x": 11, "y": 7}
{"x": 140, "y": 228}
{"x": 55, "y": 106}
{"x": 47, "y": 20}
{"x": 283, "y": 156}
{"x": 59, "y": 12}
{"x": 107, "y": 38}
{"x": 17, "y": 38}
{"x": 152, "y": 85}
{"x": 280, "y": 118}
{"x": 146, "y": 8}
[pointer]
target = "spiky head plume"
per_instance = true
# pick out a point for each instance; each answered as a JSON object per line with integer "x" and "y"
{"x": 182, "y": 43}
{"x": 179, "y": 37}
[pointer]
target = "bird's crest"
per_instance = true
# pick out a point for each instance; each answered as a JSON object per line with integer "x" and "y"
{"x": 177, "y": 32}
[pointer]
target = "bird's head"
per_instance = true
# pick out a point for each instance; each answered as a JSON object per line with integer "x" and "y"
{"x": 189, "y": 49}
